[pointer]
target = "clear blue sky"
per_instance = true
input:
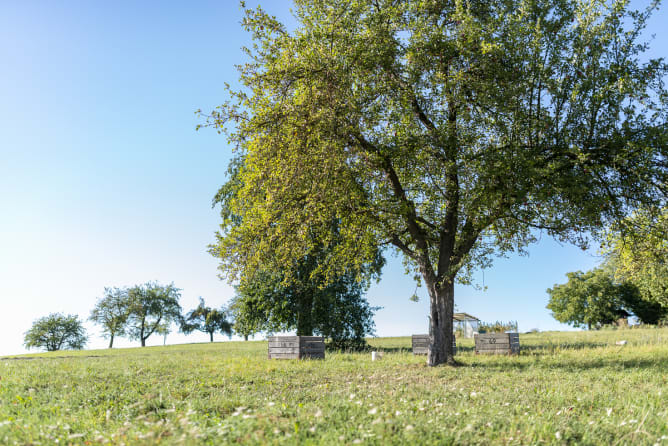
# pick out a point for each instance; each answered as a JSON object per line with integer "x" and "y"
{"x": 104, "y": 181}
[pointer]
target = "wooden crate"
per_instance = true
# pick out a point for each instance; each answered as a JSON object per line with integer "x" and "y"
{"x": 296, "y": 347}
{"x": 497, "y": 344}
{"x": 420, "y": 344}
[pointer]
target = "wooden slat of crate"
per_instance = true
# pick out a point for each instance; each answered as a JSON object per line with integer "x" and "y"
{"x": 497, "y": 343}
{"x": 420, "y": 344}
{"x": 273, "y": 344}
{"x": 296, "y": 347}
{"x": 312, "y": 347}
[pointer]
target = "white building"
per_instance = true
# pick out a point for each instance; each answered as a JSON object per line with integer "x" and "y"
{"x": 466, "y": 323}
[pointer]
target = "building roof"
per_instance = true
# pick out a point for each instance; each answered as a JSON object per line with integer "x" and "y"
{"x": 464, "y": 317}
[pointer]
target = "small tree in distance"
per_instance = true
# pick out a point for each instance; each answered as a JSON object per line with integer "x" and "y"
{"x": 207, "y": 320}
{"x": 56, "y": 332}
{"x": 152, "y": 307}
{"x": 112, "y": 312}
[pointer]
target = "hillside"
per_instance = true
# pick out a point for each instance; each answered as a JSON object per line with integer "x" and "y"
{"x": 576, "y": 387}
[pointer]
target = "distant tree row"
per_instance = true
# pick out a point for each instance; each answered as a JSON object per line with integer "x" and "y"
{"x": 137, "y": 313}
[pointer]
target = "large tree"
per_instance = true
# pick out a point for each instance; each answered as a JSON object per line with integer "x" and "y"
{"x": 638, "y": 251}
{"x": 593, "y": 298}
{"x": 296, "y": 296}
{"x": 111, "y": 312}
{"x": 152, "y": 308}
{"x": 448, "y": 130}
{"x": 55, "y": 332}
{"x": 337, "y": 310}
{"x": 207, "y": 320}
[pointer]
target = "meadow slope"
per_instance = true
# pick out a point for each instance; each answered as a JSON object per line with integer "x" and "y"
{"x": 564, "y": 388}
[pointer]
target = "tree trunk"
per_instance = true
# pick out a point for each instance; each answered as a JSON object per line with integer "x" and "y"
{"x": 211, "y": 336}
{"x": 143, "y": 342}
{"x": 245, "y": 337}
{"x": 442, "y": 303}
{"x": 111, "y": 340}
{"x": 304, "y": 317}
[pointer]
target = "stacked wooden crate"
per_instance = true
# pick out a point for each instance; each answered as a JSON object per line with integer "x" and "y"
{"x": 420, "y": 344}
{"x": 296, "y": 347}
{"x": 497, "y": 343}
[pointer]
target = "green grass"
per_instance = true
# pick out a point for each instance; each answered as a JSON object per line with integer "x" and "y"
{"x": 564, "y": 388}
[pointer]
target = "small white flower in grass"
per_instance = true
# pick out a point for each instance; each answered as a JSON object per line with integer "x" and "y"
{"x": 591, "y": 422}
{"x": 377, "y": 421}
{"x": 318, "y": 413}
{"x": 473, "y": 394}
{"x": 341, "y": 438}
{"x": 664, "y": 437}
{"x": 633, "y": 421}
{"x": 271, "y": 403}
{"x": 559, "y": 413}
{"x": 357, "y": 441}
{"x": 397, "y": 413}
{"x": 409, "y": 427}
{"x": 623, "y": 423}
{"x": 557, "y": 435}
{"x": 609, "y": 411}
{"x": 312, "y": 429}
{"x": 352, "y": 395}
{"x": 359, "y": 403}
{"x": 373, "y": 411}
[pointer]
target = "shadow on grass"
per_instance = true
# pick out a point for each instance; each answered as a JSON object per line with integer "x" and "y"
{"x": 577, "y": 364}
{"x": 392, "y": 349}
{"x": 30, "y": 358}
{"x": 547, "y": 348}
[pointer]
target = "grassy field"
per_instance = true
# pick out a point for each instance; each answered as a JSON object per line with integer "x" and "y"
{"x": 564, "y": 388}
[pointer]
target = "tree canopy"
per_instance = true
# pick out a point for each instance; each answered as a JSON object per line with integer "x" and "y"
{"x": 593, "y": 299}
{"x": 112, "y": 312}
{"x": 56, "y": 332}
{"x": 638, "y": 252}
{"x": 207, "y": 320}
{"x": 447, "y": 130}
{"x": 152, "y": 308}
{"x": 296, "y": 296}
{"x": 336, "y": 310}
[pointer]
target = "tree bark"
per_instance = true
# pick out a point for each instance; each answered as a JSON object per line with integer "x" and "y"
{"x": 442, "y": 303}
{"x": 143, "y": 342}
{"x": 304, "y": 316}
{"x": 111, "y": 340}
{"x": 210, "y": 336}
